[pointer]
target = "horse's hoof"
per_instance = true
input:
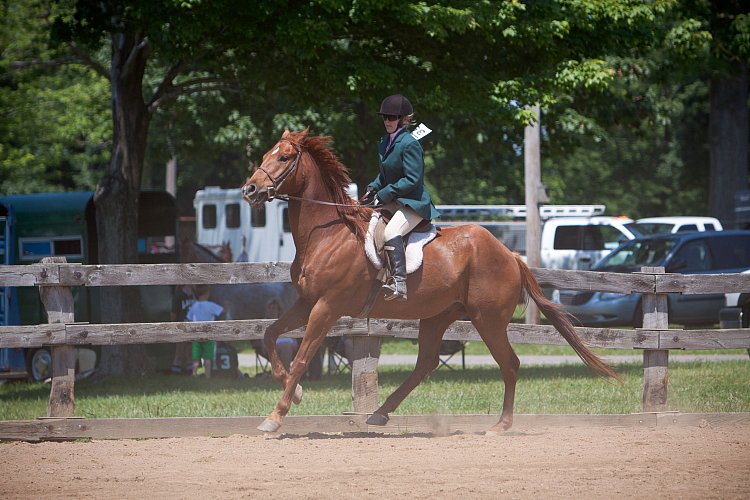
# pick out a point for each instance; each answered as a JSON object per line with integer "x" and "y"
{"x": 269, "y": 425}
{"x": 497, "y": 430}
{"x": 297, "y": 397}
{"x": 377, "y": 419}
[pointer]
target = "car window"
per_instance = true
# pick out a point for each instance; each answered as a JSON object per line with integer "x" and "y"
{"x": 566, "y": 238}
{"x": 692, "y": 257}
{"x": 710, "y": 227}
{"x": 731, "y": 252}
{"x": 612, "y": 237}
{"x": 687, "y": 227}
{"x": 579, "y": 238}
{"x": 637, "y": 253}
{"x": 647, "y": 228}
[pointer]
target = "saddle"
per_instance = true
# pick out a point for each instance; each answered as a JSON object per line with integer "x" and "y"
{"x": 414, "y": 242}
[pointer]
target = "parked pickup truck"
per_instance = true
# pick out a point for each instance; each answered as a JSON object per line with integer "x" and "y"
{"x": 580, "y": 242}
{"x": 573, "y": 236}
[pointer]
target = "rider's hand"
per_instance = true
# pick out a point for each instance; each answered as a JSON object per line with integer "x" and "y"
{"x": 368, "y": 197}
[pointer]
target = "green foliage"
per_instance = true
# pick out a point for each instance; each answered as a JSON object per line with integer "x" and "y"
{"x": 622, "y": 123}
{"x": 46, "y": 142}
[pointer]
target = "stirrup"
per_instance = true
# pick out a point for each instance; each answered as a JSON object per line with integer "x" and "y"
{"x": 392, "y": 291}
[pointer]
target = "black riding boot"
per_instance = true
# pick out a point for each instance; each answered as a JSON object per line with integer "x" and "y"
{"x": 395, "y": 289}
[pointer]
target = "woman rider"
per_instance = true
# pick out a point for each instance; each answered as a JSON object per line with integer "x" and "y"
{"x": 399, "y": 188}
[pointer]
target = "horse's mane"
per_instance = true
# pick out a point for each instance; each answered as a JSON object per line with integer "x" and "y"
{"x": 335, "y": 178}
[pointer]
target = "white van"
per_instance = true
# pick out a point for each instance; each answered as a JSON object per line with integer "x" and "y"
{"x": 656, "y": 225}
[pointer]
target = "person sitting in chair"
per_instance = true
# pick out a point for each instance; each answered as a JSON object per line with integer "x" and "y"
{"x": 399, "y": 188}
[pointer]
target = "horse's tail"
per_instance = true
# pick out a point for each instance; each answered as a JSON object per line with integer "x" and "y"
{"x": 562, "y": 322}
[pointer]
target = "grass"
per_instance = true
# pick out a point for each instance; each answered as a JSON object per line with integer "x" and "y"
{"x": 401, "y": 346}
{"x": 693, "y": 387}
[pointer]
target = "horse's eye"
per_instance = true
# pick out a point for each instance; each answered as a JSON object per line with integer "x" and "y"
{"x": 283, "y": 158}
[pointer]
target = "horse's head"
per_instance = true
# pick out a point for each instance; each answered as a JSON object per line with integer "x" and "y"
{"x": 278, "y": 166}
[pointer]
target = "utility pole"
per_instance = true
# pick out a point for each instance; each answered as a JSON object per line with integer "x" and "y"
{"x": 532, "y": 181}
{"x": 171, "y": 188}
{"x": 170, "y": 183}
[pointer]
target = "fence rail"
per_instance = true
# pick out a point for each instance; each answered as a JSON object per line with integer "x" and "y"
{"x": 54, "y": 277}
{"x": 64, "y": 274}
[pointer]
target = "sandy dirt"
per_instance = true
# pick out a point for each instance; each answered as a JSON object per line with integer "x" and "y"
{"x": 615, "y": 462}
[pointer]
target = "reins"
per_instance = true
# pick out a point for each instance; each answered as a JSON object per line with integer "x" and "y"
{"x": 287, "y": 197}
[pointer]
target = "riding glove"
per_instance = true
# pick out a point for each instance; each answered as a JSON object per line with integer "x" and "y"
{"x": 369, "y": 197}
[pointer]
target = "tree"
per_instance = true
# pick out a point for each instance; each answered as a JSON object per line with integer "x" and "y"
{"x": 54, "y": 132}
{"x": 712, "y": 39}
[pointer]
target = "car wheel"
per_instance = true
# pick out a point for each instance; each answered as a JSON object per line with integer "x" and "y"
{"x": 39, "y": 365}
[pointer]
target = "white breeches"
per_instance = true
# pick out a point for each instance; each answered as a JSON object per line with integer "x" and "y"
{"x": 404, "y": 220}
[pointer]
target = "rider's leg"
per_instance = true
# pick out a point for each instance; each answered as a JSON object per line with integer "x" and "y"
{"x": 395, "y": 288}
{"x": 404, "y": 220}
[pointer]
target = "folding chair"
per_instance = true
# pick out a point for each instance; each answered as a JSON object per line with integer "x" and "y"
{"x": 337, "y": 360}
{"x": 448, "y": 349}
{"x": 262, "y": 364}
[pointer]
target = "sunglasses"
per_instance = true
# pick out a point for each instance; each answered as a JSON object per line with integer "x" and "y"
{"x": 390, "y": 118}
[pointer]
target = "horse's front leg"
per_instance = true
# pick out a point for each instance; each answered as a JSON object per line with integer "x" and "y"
{"x": 319, "y": 323}
{"x": 295, "y": 317}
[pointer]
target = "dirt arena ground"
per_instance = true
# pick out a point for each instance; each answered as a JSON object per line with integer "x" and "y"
{"x": 607, "y": 462}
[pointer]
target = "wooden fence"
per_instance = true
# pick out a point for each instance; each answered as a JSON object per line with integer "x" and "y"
{"x": 54, "y": 278}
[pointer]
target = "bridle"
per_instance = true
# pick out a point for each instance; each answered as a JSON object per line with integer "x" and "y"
{"x": 290, "y": 168}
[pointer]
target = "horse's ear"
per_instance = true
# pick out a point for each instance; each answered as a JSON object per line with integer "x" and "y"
{"x": 285, "y": 134}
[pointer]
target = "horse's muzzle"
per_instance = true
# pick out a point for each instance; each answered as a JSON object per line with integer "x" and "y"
{"x": 253, "y": 195}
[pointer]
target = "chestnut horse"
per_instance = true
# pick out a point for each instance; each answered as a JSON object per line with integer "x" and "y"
{"x": 465, "y": 272}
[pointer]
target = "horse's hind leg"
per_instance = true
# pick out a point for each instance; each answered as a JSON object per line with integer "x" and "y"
{"x": 430, "y": 335}
{"x": 494, "y": 332}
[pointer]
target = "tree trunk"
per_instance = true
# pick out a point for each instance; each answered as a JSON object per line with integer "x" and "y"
{"x": 728, "y": 131}
{"x": 116, "y": 197}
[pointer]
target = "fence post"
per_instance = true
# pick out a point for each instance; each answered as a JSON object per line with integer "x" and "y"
{"x": 58, "y": 303}
{"x": 365, "y": 357}
{"x": 655, "y": 361}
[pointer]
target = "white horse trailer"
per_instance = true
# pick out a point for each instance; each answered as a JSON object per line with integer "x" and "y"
{"x": 254, "y": 234}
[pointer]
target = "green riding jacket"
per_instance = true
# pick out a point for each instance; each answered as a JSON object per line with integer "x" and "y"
{"x": 401, "y": 175}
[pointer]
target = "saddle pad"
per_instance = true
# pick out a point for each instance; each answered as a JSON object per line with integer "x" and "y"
{"x": 413, "y": 248}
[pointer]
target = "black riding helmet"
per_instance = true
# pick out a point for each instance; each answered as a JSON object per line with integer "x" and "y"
{"x": 397, "y": 105}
